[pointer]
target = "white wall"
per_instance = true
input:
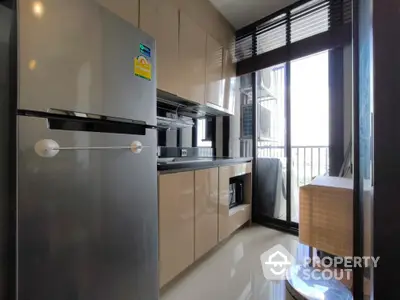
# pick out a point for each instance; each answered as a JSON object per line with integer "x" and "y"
{"x": 219, "y": 137}
{"x": 186, "y": 137}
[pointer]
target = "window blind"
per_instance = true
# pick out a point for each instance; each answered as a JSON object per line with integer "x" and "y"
{"x": 290, "y": 25}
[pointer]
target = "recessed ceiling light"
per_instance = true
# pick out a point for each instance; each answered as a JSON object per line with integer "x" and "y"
{"x": 32, "y": 64}
{"x": 38, "y": 9}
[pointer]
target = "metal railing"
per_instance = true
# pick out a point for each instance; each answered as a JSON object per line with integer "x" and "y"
{"x": 307, "y": 161}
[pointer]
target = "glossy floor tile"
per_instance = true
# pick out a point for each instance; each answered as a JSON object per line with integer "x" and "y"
{"x": 234, "y": 271}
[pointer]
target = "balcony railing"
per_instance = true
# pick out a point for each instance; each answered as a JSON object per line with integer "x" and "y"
{"x": 308, "y": 161}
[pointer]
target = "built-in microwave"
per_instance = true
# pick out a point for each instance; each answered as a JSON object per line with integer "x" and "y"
{"x": 236, "y": 193}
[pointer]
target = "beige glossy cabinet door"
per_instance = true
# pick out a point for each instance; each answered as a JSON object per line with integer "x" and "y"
{"x": 214, "y": 86}
{"x": 206, "y": 211}
{"x": 192, "y": 60}
{"x": 223, "y": 204}
{"x": 126, "y": 9}
{"x": 160, "y": 19}
{"x": 176, "y": 224}
{"x": 229, "y": 75}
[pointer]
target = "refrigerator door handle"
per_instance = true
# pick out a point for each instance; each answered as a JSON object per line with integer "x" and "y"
{"x": 70, "y": 120}
{"x": 49, "y": 148}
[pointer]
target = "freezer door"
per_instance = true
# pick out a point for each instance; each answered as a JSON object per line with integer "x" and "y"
{"x": 77, "y": 55}
{"x": 87, "y": 219}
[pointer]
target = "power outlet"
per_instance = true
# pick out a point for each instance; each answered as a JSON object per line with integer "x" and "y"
{"x": 183, "y": 152}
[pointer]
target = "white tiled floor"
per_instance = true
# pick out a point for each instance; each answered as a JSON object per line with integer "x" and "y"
{"x": 233, "y": 272}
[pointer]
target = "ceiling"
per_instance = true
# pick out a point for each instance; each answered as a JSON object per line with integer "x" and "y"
{"x": 243, "y": 12}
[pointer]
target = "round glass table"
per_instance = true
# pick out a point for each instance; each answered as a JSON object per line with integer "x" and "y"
{"x": 308, "y": 283}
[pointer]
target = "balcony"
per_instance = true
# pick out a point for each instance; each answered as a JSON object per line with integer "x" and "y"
{"x": 308, "y": 161}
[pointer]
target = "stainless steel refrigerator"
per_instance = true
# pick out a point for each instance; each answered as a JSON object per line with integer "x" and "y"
{"x": 86, "y": 207}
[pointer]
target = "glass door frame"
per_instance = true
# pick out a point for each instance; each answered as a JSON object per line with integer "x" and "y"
{"x": 282, "y": 225}
{"x": 336, "y": 136}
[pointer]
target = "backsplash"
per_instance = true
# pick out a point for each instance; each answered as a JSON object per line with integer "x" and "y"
{"x": 205, "y": 152}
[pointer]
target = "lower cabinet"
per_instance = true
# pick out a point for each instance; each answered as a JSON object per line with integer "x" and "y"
{"x": 206, "y": 211}
{"x": 194, "y": 215}
{"x": 176, "y": 224}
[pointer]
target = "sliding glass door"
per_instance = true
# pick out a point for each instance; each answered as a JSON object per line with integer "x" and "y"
{"x": 292, "y": 131}
{"x": 309, "y": 119}
{"x": 271, "y": 143}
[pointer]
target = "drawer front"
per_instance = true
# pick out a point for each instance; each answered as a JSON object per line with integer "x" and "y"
{"x": 241, "y": 169}
{"x": 239, "y": 218}
{"x": 236, "y": 170}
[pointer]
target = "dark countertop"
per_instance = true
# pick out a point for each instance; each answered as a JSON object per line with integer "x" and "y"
{"x": 200, "y": 164}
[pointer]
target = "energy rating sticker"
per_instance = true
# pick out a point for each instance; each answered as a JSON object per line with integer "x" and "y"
{"x": 142, "y": 67}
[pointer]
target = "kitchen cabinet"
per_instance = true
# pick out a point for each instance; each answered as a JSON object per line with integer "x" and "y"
{"x": 206, "y": 211}
{"x": 223, "y": 218}
{"x": 161, "y": 20}
{"x": 192, "y": 60}
{"x": 176, "y": 224}
{"x": 229, "y": 76}
{"x": 127, "y": 10}
{"x": 214, "y": 86}
{"x": 194, "y": 214}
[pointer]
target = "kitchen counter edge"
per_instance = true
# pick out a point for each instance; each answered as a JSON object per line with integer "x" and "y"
{"x": 190, "y": 166}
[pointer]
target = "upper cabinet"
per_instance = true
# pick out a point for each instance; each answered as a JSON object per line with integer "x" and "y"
{"x": 192, "y": 40}
{"x": 192, "y": 60}
{"x": 214, "y": 86}
{"x": 127, "y": 10}
{"x": 230, "y": 80}
{"x": 220, "y": 76}
{"x": 161, "y": 20}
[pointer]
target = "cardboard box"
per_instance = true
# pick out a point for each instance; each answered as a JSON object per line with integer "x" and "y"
{"x": 326, "y": 215}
